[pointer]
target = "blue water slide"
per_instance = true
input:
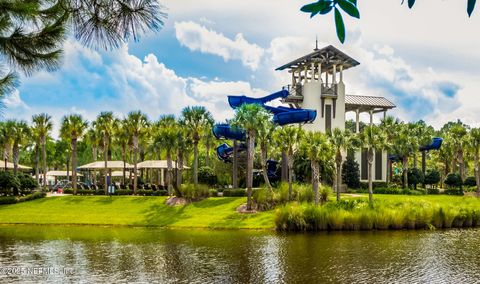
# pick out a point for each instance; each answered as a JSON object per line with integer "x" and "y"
{"x": 236, "y": 101}
{"x": 228, "y": 132}
{"x": 295, "y": 116}
{"x": 435, "y": 145}
{"x": 225, "y": 152}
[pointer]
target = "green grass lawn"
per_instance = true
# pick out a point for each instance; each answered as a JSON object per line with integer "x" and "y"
{"x": 134, "y": 211}
{"x": 217, "y": 212}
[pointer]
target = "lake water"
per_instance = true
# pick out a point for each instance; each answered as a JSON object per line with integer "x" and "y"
{"x": 32, "y": 254}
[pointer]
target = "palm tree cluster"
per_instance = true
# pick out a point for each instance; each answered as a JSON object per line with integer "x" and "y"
{"x": 187, "y": 140}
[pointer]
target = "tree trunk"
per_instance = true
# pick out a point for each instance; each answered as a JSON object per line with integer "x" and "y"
{"x": 405, "y": 172}
{"x": 263, "y": 159}
{"x": 105, "y": 163}
{"x": 16, "y": 155}
{"x": 124, "y": 158}
{"x": 37, "y": 163}
{"x": 235, "y": 165}
{"x": 250, "y": 156}
{"x": 415, "y": 163}
{"x": 338, "y": 161}
{"x": 180, "y": 169}
{"x": 462, "y": 165}
{"x": 207, "y": 155}
{"x": 135, "y": 153}
{"x": 477, "y": 171}
{"x": 290, "y": 174}
{"x": 44, "y": 158}
{"x": 68, "y": 167}
{"x": 74, "y": 166}
{"x": 195, "y": 163}
{"x": 284, "y": 176}
{"x": 370, "y": 183}
{"x": 315, "y": 179}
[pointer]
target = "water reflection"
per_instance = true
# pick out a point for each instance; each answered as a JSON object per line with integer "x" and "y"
{"x": 144, "y": 255}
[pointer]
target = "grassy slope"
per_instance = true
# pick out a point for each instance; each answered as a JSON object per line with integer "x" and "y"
{"x": 134, "y": 211}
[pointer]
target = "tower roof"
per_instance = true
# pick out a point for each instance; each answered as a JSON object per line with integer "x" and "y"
{"x": 327, "y": 56}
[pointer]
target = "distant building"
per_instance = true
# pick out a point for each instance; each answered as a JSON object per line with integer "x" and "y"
{"x": 317, "y": 83}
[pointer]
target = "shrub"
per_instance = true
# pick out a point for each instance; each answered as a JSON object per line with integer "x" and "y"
{"x": 85, "y": 191}
{"x": 351, "y": 172}
{"x": 192, "y": 192}
{"x": 8, "y": 200}
{"x": 453, "y": 180}
{"x": 470, "y": 181}
{"x": 213, "y": 192}
{"x": 415, "y": 176}
{"x": 27, "y": 182}
{"x": 33, "y": 196}
{"x": 160, "y": 192}
{"x": 264, "y": 199}
{"x": 207, "y": 175}
{"x": 145, "y": 192}
{"x": 8, "y": 181}
{"x": 387, "y": 190}
{"x": 234, "y": 192}
{"x": 433, "y": 191}
{"x": 375, "y": 184}
{"x": 70, "y": 191}
{"x": 324, "y": 192}
{"x": 432, "y": 177}
{"x": 123, "y": 192}
{"x": 453, "y": 191}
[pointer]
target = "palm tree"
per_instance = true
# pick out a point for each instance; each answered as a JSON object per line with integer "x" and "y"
{"x": 389, "y": 126}
{"x": 181, "y": 145}
{"x": 137, "y": 124}
{"x": 20, "y": 135}
{"x": 166, "y": 137}
{"x": 405, "y": 145}
{"x": 264, "y": 136}
{"x": 424, "y": 135}
{"x": 72, "y": 129}
{"x": 208, "y": 138}
{"x": 33, "y": 32}
{"x": 7, "y": 140}
{"x": 319, "y": 150}
{"x": 342, "y": 141}
{"x": 43, "y": 125}
{"x": 372, "y": 138}
{"x": 458, "y": 134}
{"x": 106, "y": 125}
{"x": 288, "y": 137}
{"x": 95, "y": 139}
{"x": 249, "y": 117}
{"x": 474, "y": 145}
{"x": 124, "y": 139}
{"x": 196, "y": 119}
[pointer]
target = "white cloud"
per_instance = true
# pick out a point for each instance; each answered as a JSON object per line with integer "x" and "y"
{"x": 198, "y": 38}
{"x": 13, "y": 100}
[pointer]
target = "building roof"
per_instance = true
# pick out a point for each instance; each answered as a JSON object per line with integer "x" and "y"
{"x": 156, "y": 164}
{"x": 101, "y": 165}
{"x": 367, "y": 103}
{"x": 60, "y": 174}
{"x": 10, "y": 166}
{"x": 328, "y": 56}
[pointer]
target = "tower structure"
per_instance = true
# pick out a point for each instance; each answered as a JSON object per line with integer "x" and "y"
{"x": 317, "y": 83}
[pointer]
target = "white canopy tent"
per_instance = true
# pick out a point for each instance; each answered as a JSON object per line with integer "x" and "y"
{"x": 157, "y": 164}
{"x": 10, "y": 166}
{"x": 98, "y": 165}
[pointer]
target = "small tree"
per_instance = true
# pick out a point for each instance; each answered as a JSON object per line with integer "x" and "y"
{"x": 432, "y": 177}
{"x": 415, "y": 176}
{"x": 207, "y": 175}
{"x": 470, "y": 181}
{"x": 453, "y": 180}
{"x": 351, "y": 172}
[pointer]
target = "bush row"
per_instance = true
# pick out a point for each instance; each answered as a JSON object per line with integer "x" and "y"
{"x": 13, "y": 199}
{"x": 359, "y": 215}
{"x": 142, "y": 192}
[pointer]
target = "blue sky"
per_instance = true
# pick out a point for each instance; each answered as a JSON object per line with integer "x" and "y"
{"x": 424, "y": 60}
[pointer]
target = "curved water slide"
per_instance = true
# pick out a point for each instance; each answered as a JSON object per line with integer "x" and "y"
{"x": 281, "y": 116}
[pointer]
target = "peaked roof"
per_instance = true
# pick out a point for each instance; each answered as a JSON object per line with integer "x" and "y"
{"x": 110, "y": 165}
{"x": 328, "y": 56}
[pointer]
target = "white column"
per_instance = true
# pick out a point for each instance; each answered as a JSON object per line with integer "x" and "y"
{"x": 384, "y": 114}
{"x": 320, "y": 72}
{"x": 357, "y": 121}
{"x": 312, "y": 71}
{"x": 306, "y": 73}
{"x": 162, "y": 178}
{"x": 341, "y": 73}
{"x": 334, "y": 75}
{"x": 371, "y": 117}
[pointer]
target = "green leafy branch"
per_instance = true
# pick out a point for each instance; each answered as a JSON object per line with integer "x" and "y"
{"x": 323, "y": 7}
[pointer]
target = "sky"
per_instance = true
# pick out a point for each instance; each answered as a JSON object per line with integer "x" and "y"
{"x": 424, "y": 60}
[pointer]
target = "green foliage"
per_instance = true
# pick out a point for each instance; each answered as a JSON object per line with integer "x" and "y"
{"x": 323, "y": 7}
{"x": 27, "y": 182}
{"x": 415, "y": 176}
{"x": 8, "y": 200}
{"x": 13, "y": 199}
{"x": 351, "y": 172}
{"x": 9, "y": 181}
{"x": 375, "y": 184}
{"x": 207, "y": 175}
{"x": 453, "y": 180}
{"x": 144, "y": 192}
{"x": 433, "y": 190}
{"x": 234, "y": 193}
{"x": 192, "y": 192}
{"x": 470, "y": 181}
{"x": 432, "y": 177}
{"x": 392, "y": 213}
{"x": 454, "y": 191}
